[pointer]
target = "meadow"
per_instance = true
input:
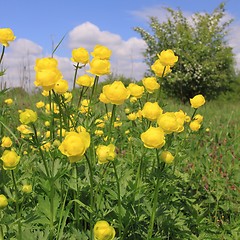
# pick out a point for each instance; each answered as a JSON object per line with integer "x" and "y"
{"x": 108, "y": 161}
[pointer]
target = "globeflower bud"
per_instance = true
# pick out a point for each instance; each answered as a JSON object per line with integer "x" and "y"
{"x": 197, "y": 101}
{"x": 28, "y": 116}
{"x": 167, "y": 58}
{"x": 103, "y": 231}
{"x": 105, "y": 153}
{"x": 6, "y": 142}
{"x": 6, "y": 36}
{"x": 167, "y": 157}
{"x": 10, "y": 160}
{"x": 3, "y": 201}
{"x": 27, "y": 188}
{"x": 151, "y": 84}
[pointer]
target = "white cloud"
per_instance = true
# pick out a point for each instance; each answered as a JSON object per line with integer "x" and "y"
{"x": 126, "y": 59}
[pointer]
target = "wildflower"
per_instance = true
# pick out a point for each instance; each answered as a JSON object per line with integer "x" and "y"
{"x": 84, "y": 106}
{"x": 80, "y": 55}
{"x": 116, "y": 92}
{"x": 24, "y": 129}
{"x": 8, "y": 101}
{"x": 167, "y": 157}
{"x": 194, "y": 125}
{"x": 40, "y": 104}
{"x": 99, "y": 123}
{"x": 159, "y": 69}
{"x": 167, "y": 58}
{"x": 151, "y": 84}
{"x": 85, "y": 80}
{"x": 10, "y": 159}
{"x": 133, "y": 99}
{"x": 103, "y": 231}
{"x": 169, "y": 123}
{"x": 98, "y": 132}
{"x": 132, "y": 116}
{"x": 197, "y": 101}
{"x": 27, "y": 188}
{"x": 45, "y": 93}
{"x": 117, "y": 124}
{"x": 6, "y": 36}
{"x": 99, "y": 66}
{"x": 6, "y": 142}
{"x": 61, "y": 86}
{"x": 28, "y": 116}
{"x": 3, "y": 201}
{"x": 45, "y": 63}
{"x": 151, "y": 111}
{"x": 105, "y": 153}
{"x": 75, "y": 145}
{"x": 103, "y": 98}
{"x": 135, "y": 90}
{"x": 153, "y": 138}
{"x": 101, "y": 52}
{"x": 67, "y": 96}
{"x": 199, "y": 118}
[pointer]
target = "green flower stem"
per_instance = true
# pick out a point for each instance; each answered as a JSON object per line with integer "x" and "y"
{"x": 75, "y": 75}
{"x": 76, "y": 208}
{"x": 119, "y": 199}
{"x": 1, "y": 231}
{"x": 91, "y": 194}
{"x": 155, "y": 198}
{"x": 3, "y": 50}
{"x": 80, "y": 97}
{"x": 40, "y": 151}
{"x": 94, "y": 87}
{"x": 52, "y": 193}
{"x": 112, "y": 118}
{"x": 195, "y": 110}
{"x": 18, "y": 210}
{"x": 160, "y": 89}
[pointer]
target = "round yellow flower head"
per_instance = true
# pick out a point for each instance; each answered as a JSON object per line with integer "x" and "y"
{"x": 98, "y": 132}
{"x": 167, "y": 157}
{"x": 40, "y": 104}
{"x": 3, "y": 201}
{"x": 132, "y": 116}
{"x": 101, "y": 52}
{"x": 151, "y": 111}
{"x": 61, "y": 86}
{"x": 10, "y": 159}
{"x": 6, "y": 36}
{"x": 75, "y": 145}
{"x": 24, "y": 129}
{"x": 153, "y": 138}
{"x": 6, "y": 142}
{"x": 9, "y": 101}
{"x": 99, "y": 66}
{"x": 159, "y": 69}
{"x": 28, "y": 116}
{"x": 194, "y": 125}
{"x": 199, "y": 118}
{"x": 99, "y": 123}
{"x": 27, "y": 188}
{"x": 169, "y": 123}
{"x": 80, "y": 55}
{"x": 133, "y": 99}
{"x": 167, "y": 58}
{"x": 103, "y": 231}
{"x": 46, "y": 63}
{"x": 135, "y": 90}
{"x": 67, "y": 96}
{"x": 105, "y": 153}
{"x": 85, "y": 80}
{"x": 197, "y": 101}
{"x": 151, "y": 84}
{"x": 116, "y": 92}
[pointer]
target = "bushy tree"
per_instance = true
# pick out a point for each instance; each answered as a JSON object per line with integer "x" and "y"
{"x": 206, "y": 62}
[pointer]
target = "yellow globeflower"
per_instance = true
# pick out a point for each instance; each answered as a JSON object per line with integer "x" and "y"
{"x": 132, "y": 116}
{"x": 99, "y": 66}
{"x": 46, "y": 63}
{"x": 24, "y": 129}
{"x": 40, "y": 104}
{"x": 61, "y": 86}
{"x": 85, "y": 80}
{"x": 151, "y": 111}
{"x": 105, "y": 153}
{"x": 153, "y": 138}
{"x": 116, "y": 92}
{"x": 194, "y": 125}
{"x": 80, "y": 55}
{"x": 167, "y": 58}
{"x": 151, "y": 84}
{"x": 103, "y": 98}
{"x": 167, "y": 157}
{"x": 27, "y": 188}
{"x": 6, "y": 36}
{"x": 75, "y": 145}
{"x": 135, "y": 90}
{"x": 3, "y": 201}
{"x": 28, "y": 116}
{"x": 6, "y": 142}
{"x": 103, "y": 231}
{"x": 170, "y": 123}
{"x": 159, "y": 69}
{"x": 9, "y": 101}
{"x": 67, "y": 96}
{"x": 101, "y": 52}
{"x": 10, "y": 159}
{"x": 197, "y": 101}
{"x": 199, "y": 118}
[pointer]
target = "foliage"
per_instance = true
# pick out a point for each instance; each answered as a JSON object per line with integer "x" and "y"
{"x": 206, "y": 63}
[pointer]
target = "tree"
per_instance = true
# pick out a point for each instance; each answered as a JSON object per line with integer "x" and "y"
{"x": 206, "y": 62}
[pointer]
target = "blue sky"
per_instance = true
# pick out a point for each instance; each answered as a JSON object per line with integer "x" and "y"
{"x": 37, "y": 24}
